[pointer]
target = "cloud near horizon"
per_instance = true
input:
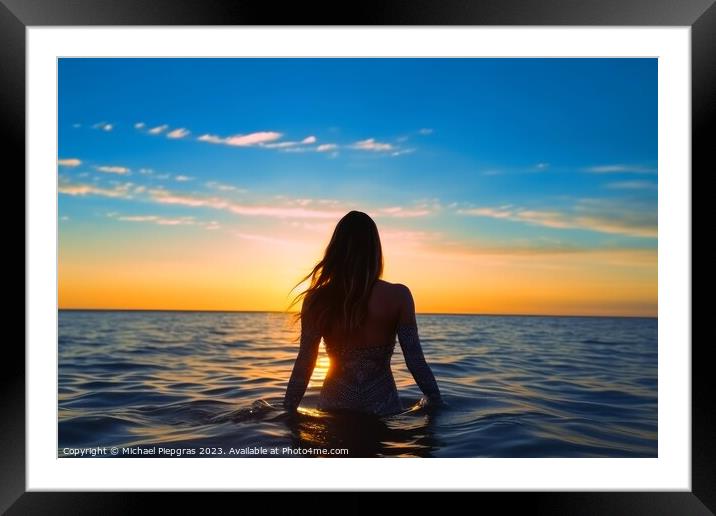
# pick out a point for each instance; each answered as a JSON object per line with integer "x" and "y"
{"x": 165, "y": 221}
{"x": 219, "y": 203}
{"x": 601, "y": 215}
{"x": 298, "y": 208}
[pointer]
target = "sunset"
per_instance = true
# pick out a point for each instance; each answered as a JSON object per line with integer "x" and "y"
{"x": 200, "y": 184}
{"x": 359, "y": 257}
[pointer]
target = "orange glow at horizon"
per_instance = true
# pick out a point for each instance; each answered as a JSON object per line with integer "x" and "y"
{"x": 255, "y": 274}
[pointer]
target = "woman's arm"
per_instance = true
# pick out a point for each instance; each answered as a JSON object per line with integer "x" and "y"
{"x": 303, "y": 366}
{"x": 409, "y": 339}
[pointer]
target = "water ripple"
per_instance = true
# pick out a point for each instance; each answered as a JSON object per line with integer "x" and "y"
{"x": 514, "y": 386}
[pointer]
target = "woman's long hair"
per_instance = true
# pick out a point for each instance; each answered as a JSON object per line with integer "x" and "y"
{"x": 341, "y": 283}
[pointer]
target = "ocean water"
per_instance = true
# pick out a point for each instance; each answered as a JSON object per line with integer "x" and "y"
{"x": 210, "y": 384}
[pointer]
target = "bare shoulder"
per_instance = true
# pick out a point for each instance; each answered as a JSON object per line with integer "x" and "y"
{"x": 399, "y": 292}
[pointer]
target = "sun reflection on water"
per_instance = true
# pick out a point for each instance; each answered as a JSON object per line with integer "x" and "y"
{"x": 323, "y": 363}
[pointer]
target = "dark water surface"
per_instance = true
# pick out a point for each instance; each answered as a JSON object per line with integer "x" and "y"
{"x": 515, "y": 386}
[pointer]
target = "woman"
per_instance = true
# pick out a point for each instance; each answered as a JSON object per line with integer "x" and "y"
{"x": 358, "y": 315}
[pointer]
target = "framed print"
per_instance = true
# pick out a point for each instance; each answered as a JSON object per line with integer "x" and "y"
{"x": 442, "y": 249}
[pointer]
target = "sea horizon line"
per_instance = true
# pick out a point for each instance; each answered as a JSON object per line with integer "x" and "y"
{"x": 295, "y": 311}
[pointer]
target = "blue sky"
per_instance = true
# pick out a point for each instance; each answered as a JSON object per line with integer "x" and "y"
{"x": 528, "y": 153}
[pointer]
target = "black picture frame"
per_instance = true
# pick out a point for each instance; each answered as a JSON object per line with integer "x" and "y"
{"x": 700, "y": 15}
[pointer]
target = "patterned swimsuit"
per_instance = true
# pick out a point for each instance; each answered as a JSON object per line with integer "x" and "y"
{"x": 360, "y": 378}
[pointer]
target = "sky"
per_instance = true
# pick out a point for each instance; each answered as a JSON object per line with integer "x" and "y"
{"x": 499, "y": 186}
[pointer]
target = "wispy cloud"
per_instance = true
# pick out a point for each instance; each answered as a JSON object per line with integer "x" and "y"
{"x": 69, "y": 162}
{"x": 291, "y": 208}
{"x": 620, "y": 168}
{"x": 158, "y": 129}
{"x": 425, "y": 131}
{"x": 601, "y": 215}
{"x": 103, "y": 126}
{"x": 629, "y": 217}
{"x": 535, "y": 168}
{"x": 285, "y": 208}
{"x": 402, "y": 151}
{"x": 280, "y": 145}
{"x": 632, "y": 185}
{"x": 165, "y": 221}
{"x": 528, "y": 251}
{"x": 495, "y": 213}
{"x": 266, "y": 239}
{"x": 273, "y": 140}
{"x": 182, "y": 179}
{"x": 371, "y": 144}
{"x": 178, "y": 133}
{"x": 297, "y": 146}
{"x": 324, "y": 228}
{"x": 266, "y": 139}
{"x": 401, "y": 212}
{"x": 165, "y": 197}
{"x": 242, "y": 140}
{"x": 111, "y": 169}
{"x": 427, "y": 243}
{"x": 78, "y": 189}
{"x": 223, "y": 187}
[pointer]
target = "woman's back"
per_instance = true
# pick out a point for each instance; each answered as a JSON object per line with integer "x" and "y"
{"x": 359, "y": 377}
{"x": 381, "y": 321}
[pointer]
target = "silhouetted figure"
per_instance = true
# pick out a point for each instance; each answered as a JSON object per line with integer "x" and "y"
{"x": 358, "y": 315}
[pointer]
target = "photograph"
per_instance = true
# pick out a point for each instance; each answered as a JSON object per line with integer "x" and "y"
{"x": 460, "y": 233}
{"x": 342, "y": 257}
